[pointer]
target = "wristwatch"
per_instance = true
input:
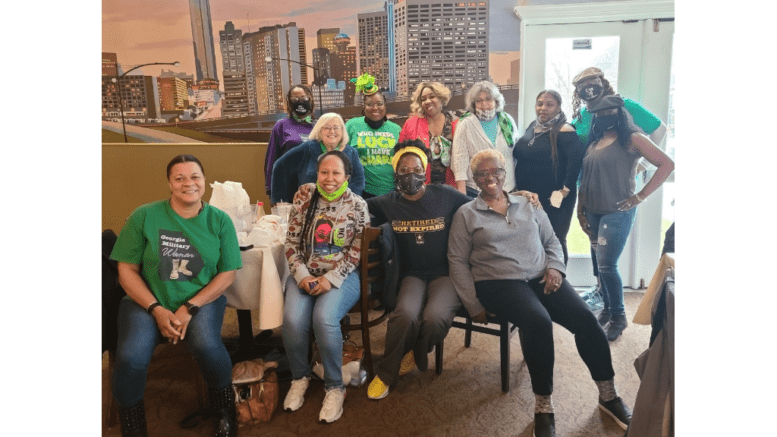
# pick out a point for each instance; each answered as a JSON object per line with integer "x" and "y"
{"x": 192, "y": 308}
{"x": 151, "y": 307}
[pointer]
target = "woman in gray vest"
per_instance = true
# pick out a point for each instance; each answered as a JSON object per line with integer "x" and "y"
{"x": 607, "y": 202}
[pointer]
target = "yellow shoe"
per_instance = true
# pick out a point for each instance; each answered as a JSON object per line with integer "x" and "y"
{"x": 408, "y": 362}
{"x": 377, "y": 389}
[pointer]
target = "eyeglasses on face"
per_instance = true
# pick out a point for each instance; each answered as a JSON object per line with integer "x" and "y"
{"x": 486, "y": 100}
{"x": 375, "y": 105}
{"x": 332, "y": 128}
{"x": 299, "y": 99}
{"x": 494, "y": 172}
{"x": 406, "y": 170}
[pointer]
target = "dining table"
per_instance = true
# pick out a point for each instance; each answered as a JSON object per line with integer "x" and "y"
{"x": 257, "y": 294}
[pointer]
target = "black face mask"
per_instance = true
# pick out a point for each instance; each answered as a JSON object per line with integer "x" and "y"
{"x": 604, "y": 123}
{"x": 410, "y": 183}
{"x": 302, "y": 108}
{"x": 590, "y": 92}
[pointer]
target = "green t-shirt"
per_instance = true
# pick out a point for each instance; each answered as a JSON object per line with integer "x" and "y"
{"x": 375, "y": 147}
{"x": 178, "y": 256}
{"x": 642, "y": 118}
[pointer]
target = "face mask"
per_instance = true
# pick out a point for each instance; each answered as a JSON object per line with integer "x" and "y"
{"x": 410, "y": 183}
{"x": 590, "y": 92}
{"x": 330, "y": 197}
{"x": 487, "y": 114}
{"x": 302, "y": 108}
{"x": 604, "y": 123}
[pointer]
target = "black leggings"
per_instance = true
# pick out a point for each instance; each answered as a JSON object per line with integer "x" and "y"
{"x": 561, "y": 218}
{"x": 526, "y": 305}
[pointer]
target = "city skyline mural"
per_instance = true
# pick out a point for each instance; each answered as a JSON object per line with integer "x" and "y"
{"x": 236, "y": 59}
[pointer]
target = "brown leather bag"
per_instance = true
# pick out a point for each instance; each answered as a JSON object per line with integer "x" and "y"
{"x": 257, "y": 400}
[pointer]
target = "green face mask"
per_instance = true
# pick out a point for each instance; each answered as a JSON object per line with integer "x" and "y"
{"x": 333, "y": 196}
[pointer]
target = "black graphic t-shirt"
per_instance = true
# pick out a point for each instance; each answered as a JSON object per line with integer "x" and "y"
{"x": 421, "y": 227}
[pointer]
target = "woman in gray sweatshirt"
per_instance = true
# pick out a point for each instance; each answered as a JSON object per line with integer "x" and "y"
{"x": 506, "y": 261}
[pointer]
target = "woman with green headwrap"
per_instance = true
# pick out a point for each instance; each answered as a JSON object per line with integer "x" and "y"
{"x": 374, "y": 137}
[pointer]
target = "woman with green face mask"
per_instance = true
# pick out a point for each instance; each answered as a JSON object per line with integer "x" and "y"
{"x": 323, "y": 248}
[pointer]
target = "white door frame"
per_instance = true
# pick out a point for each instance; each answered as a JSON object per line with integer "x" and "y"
{"x": 643, "y": 75}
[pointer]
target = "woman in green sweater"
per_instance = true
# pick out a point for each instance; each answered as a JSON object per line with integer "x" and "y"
{"x": 374, "y": 137}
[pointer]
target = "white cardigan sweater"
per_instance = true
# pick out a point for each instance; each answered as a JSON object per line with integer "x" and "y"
{"x": 471, "y": 139}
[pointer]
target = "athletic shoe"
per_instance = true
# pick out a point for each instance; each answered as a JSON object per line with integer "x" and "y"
{"x": 333, "y": 405}
{"x": 544, "y": 425}
{"x": 408, "y": 362}
{"x": 618, "y": 410}
{"x": 296, "y": 395}
{"x": 377, "y": 389}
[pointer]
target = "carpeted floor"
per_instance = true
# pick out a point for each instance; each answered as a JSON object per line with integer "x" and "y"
{"x": 465, "y": 400}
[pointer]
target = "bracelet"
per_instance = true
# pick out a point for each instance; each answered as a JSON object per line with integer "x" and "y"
{"x": 151, "y": 307}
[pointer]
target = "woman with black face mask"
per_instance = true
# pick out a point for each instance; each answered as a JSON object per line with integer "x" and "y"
{"x": 607, "y": 201}
{"x": 590, "y": 86}
{"x": 292, "y": 131}
{"x": 420, "y": 216}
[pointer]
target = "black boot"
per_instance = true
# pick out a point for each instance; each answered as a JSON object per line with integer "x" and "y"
{"x": 222, "y": 402}
{"x": 615, "y": 328}
{"x": 133, "y": 421}
{"x": 604, "y": 316}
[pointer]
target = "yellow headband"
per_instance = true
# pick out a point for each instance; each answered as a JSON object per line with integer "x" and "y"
{"x": 414, "y": 150}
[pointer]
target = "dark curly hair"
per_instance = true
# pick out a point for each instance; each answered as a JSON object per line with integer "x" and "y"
{"x": 624, "y": 128}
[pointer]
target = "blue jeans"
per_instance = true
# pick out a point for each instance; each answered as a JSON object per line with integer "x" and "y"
{"x": 324, "y": 313}
{"x": 139, "y": 335}
{"x": 610, "y": 232}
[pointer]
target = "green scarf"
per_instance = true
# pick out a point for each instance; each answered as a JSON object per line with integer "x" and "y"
{"x": 308, "y": 119}
{"x": 330, "y": 197}
{"x": 505, "y": 126}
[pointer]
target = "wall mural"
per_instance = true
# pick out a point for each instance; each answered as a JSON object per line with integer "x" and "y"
{"x": 219, "y": 70}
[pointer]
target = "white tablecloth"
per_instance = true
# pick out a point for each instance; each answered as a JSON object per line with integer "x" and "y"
{"x": 258, "y": 285}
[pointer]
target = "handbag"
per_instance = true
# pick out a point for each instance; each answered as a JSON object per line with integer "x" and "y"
{"x": 256, "y": 391}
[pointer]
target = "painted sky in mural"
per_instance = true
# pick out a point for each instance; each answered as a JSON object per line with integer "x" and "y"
{"x": 144, "y": 31}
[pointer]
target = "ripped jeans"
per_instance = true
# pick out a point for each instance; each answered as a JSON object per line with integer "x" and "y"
{"x": 610, "y": 232}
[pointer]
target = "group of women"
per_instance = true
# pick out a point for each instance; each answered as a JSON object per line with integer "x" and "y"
{"x": 496, "y": 246}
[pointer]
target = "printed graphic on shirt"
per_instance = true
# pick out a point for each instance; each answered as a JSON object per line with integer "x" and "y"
{"x": 375, "y": 148}
{"x": 327, "y": 240}
{"x": 418, "y": 227}
{"x": 179, "y": 260}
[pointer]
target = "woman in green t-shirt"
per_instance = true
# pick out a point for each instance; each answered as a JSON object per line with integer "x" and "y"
{"x": 175, "y": 258}
{"x": 374, "y": 137}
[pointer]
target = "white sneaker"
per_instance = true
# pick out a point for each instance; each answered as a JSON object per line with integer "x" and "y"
{"x": 296, "y": 395}
{"x": 333, "y": 405}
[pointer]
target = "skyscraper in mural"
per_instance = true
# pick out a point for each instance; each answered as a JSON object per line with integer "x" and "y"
{"x": 373, "y": 47}
{"x": 202, "y": 40}
{"x": 269, "y": 80}
{"x": 433, "y": 41}
{"x": 234, "y": 72}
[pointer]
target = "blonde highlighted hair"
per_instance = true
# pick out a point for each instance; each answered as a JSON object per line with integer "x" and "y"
{"x": 315, "y": 133}
{"x": 441, "y": 91}
{"x": 486, "y": 154}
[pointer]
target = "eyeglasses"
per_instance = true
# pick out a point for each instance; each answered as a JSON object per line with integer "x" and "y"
{"x": 407, "y": 170}
{"x": 299, "y": 99}
{"x": 486, "y": 100}
{"x": 494, "y": 172}
{"x": 332, "y": 128}
{"x": 375, "y": 105}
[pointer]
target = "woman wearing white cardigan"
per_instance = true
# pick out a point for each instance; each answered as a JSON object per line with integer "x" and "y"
{"x": 484, "y": 126}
